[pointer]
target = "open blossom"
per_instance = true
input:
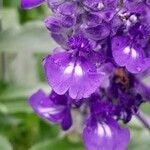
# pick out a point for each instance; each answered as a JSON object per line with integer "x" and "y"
{"x": 77, "y": 70}
{"x": 132, "y": 54}
{"x": 54, "y": 108}
{"x": 105, "y": 135}
{"x": 104, "y": 55}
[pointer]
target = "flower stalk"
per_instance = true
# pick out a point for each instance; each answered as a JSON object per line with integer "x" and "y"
{"x": 145, "y": 120}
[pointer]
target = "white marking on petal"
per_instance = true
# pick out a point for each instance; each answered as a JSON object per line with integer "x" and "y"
{"x": 128, "y": 23}
{"x": 103, "y": 73}
{"x": 100, "y": 6}
{"x": 107, "y": 130}
{"x": 82, "y": 45}
{"x": 78, "y": 70}
{"x": 133, "y": 18}
{"x": 100, "y": 130}
{"x": 131, "y": 51}
{"x": 127, "y": 50}
{"x": 50, "y": 111}
{"x": 104, "y": 130}
{"x": 139, "y": 69}
{"x": 69, "y": 68}
{"x": 134, "y": 54}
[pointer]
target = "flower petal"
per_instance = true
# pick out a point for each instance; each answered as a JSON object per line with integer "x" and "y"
{"x": 53, "y": 24}
{"x": 98, "y": 32}
{"x": 58, "y": 71}
{"x": 118, "y": 45}
{"x": 47, "y": 107}
{"x": 67, "y": 8}
{"x": 53, "y": 4}
{"x": 131, "y": 57}
{"x": 78, "y": 76}
{"x": 85, "y": 81}
{"x": 67, "y": 120}
{"x": 29, "y": 4}
{"x": 105, "y": 136}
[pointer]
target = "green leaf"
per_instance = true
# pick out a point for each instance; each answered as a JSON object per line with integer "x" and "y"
{"x": 4, "y": 143}
{"x": 11, "y": 3}
{"x": 57, "y": 144}
{"x": 38, "y": 13}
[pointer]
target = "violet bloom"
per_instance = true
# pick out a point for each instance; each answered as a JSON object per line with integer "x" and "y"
{"x": 130, "y": 55}
{"x": 101, "y": 130}
{"x": 53, "y": 108}
{"x": 129, "y": 49}
{"x": 75, "y": 70}
{"x": 105, "y": 135}
{"x": 103, "y": 57}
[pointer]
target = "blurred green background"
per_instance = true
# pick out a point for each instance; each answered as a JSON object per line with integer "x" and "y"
{"x": 23, "y": 43}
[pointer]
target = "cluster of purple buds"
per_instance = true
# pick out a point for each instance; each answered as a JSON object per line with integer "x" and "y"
{"x": 103, "y": 57}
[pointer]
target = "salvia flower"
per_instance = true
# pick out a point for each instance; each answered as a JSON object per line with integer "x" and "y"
{"x": 105, "y": 135}
{"x": 76, "y": 72}
{"x": 54, "y": 108}
{"x": 98, "y": 68}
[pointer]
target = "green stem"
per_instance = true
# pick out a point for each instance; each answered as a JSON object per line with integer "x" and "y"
{"x": 144, "y": 119}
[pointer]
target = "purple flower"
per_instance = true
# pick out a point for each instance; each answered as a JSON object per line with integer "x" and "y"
{"x": 106, "y": 8}
{"x": 106, "y": 135}
{"x": 101, "y": 130}
{"x": 97, "y": 32}
{"x": 53, "y": 108}
{"x": 130, "y": 55}
{"x": 78, "y": 75}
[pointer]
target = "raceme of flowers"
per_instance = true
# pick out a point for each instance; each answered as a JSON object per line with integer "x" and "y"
{"x": 98, "y": 68}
